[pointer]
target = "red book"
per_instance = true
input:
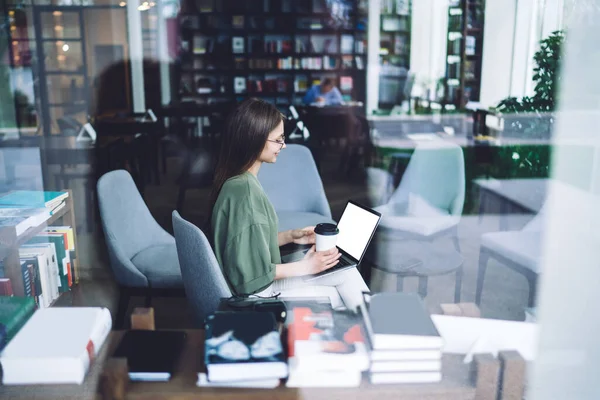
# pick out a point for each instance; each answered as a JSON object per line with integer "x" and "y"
{"x": 6, "y": 287}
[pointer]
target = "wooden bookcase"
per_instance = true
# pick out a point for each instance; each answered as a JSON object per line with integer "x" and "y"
{"x": 273, "y": 49}
{"x": 394, "y": 50}
{"x": 464, "y": 51}
{"x": 10, "y": 243}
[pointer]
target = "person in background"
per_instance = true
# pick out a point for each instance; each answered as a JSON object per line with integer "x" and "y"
{"x": 324, "y": 94}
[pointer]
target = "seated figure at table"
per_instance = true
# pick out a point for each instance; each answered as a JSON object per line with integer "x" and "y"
{"x": 244, "y": 225}
{"x": 324, "y": 94}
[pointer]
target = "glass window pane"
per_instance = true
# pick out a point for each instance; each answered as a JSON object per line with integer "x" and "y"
{"x": 74, "y": 119}
{"x": 66, "y": 89}
{"x": 60, "y": 25}
{"x": 63, "y": 56}
{"x": 20, "y": 22}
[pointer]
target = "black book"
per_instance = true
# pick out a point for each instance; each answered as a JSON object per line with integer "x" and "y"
{"x": 151, "y": 355}
{"x": 242, "y": 346}
{"x": 400, "y": 321}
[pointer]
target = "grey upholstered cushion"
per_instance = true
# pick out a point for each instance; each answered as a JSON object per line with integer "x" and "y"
{"x": 128, "y": 227}
{"x": 160, "y": 265}
{"x": 293, "y": 183}
{"x": 203, "y": 279}
{"x": 295, "y": 220}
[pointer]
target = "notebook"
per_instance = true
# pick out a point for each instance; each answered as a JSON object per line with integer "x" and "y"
{"x": 151, "y": 355}
{"x": 400, "y": 321}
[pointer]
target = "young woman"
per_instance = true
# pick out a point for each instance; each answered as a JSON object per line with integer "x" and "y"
{"x": 244, "y": 224}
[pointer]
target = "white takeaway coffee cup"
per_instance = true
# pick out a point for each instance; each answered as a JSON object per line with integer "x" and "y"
{"x": 326, "y": 236}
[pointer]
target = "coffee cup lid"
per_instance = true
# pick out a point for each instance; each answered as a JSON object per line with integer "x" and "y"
{"x": 326, "y": 229}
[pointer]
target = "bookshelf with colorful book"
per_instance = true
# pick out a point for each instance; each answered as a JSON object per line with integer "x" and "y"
{"x": 273, "y": 49}
{"x": 464, "y": 51}
{"x": 394, "y": 50}
{"x": 38, "y": 259}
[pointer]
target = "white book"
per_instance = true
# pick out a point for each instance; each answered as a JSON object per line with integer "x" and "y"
{"x": 310, "y": 356}
{"x": 307, "y": 378}
{"x": 405, "y": 355}
{"x": 406, "y": 366}
{"x": 44, "y": 276}
{"x": 261, "y": 384}
{"x": 23, "y": 218}
{"x": 52, "y": 266}
{"x": 406, "y": 377}
{"x": 56, "y": 345}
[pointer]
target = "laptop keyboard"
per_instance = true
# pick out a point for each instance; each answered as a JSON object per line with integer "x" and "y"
{"x": 344, "y": 262}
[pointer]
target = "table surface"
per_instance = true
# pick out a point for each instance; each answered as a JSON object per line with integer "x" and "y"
{"x": 529, "y": 194}
{"x": 455, "y": 384}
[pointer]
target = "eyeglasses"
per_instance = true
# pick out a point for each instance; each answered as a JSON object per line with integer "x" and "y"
{"x": 280, "y": 142}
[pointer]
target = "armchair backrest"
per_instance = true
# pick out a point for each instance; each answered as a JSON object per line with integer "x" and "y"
{"x": 293, "y": 182}
{"x": 126, "y": 220}
{"x": 435, "y": 172}
{"x": 203, "y": 279}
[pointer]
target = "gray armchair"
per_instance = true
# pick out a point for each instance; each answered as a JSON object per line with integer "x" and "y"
{"x": 143, "y": 256}
{"x": 295, "y": 189}
{"x": 203, "y": 279}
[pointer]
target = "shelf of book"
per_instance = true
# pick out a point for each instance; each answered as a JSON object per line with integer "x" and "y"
{"x": 227, "y": 43}
{"x": 10, "y": 244}
{"x": 464, "y": 49}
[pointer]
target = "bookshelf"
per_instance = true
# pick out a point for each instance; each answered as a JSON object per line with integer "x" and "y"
{"x": 10, "y": 243}
{"x": 394, "y": 50}
{"x": 273, "y": 49}
{"x": 464, "y": 51}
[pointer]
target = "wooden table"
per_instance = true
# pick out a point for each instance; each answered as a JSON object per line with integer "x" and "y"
{"x": 457, "y": 382}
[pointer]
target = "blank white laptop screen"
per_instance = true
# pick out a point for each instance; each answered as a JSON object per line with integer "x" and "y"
{"x": 356, "y": 227}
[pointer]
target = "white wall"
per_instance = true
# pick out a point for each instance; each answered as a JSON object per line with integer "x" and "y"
{"x": 498, "y": 37}
{"x": 513, "y": 29}
{"x": 428, "y": 43}
{"x": 568, "y": 364}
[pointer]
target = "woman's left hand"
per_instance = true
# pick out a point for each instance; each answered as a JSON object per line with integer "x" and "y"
{"x": 304, "y": 235}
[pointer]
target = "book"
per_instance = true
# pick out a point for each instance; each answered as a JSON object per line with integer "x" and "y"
{"x": 151, "y": 355}
{"x": 396, "y": 321}
{"x": 260, "y": 384}
{"x": 6, "y": 287}
{"x": 406, "y": 366}
{"x": 405, "y": 355}
{"x": 34, "y": 199}
{"x": 405, "y": 377}
{"x": 243, "y": 345}
{"x": 14, "y": 313}
{"x": 45, "y": 277}
{"x": 61, "y": 256}
{"x": 318, "y": 340}
{"x": 340, "y": 378}
{"x": 70, "y": 244}
{"x": 35, "y": 276}
{"x": 23, "y": 218}
{"x": 72, "y": 337}
{"x": 52, "y": 271}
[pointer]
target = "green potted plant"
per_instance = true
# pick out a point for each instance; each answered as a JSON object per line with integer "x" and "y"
{"x": 531, "y": 116}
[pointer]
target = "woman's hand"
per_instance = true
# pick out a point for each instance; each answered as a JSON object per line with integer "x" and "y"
{"x": 303, "y": 236}
{"x": 318, "y": 261}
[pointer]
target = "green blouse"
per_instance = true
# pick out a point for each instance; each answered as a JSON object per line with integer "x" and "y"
{"x": 244, "y": 227}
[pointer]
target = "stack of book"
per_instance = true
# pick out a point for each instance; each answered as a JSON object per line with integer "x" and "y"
{"x": 32, "y": 199}
{"x": 406, "y": 346}
{"x": 326, "y": 348}
{"x": 243, "y": 349}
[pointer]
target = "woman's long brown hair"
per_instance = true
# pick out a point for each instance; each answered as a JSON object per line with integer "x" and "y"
{"x": 243, "y": 138}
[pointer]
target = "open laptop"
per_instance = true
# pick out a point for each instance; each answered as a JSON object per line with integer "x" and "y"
{"x": 357, "y": 227}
